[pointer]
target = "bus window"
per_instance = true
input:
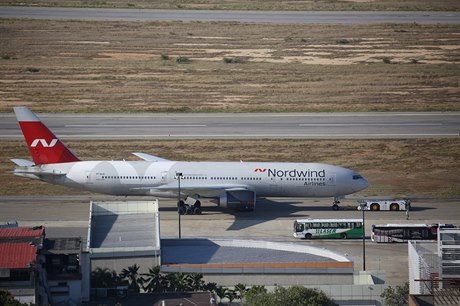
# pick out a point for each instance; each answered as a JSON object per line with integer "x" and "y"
{"x": 334, "y": 224}
{"x": 299, "y": 227}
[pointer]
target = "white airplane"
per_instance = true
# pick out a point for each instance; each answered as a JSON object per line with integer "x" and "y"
{"x": 231, "y": 184}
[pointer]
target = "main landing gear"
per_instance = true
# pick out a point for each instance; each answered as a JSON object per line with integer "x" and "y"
{"x": 186, "y": 208}
{"x": 335, "y": 204}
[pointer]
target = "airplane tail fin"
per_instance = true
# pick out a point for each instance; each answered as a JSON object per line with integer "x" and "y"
{"x": 44, "y": 146}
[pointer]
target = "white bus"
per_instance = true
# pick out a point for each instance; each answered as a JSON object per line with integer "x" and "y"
{"x": 376, "y": 205}
{"x": 328, "y": 228}
{"x": 404, "y": 232}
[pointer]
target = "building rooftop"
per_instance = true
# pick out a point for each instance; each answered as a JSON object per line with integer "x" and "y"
{"x": 13, "y": 233}
{"x": 121, "y": 228}
{"x": 248, "y": 256}
{"x": 62, "y": 246}
{"x": 18, "y": 255}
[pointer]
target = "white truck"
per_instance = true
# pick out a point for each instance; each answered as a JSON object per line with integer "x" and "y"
{"x": 376, "y": 205}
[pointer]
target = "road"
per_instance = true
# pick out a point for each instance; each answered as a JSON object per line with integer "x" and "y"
{"x": 276, "y": 125}
{"x": 67, "y": 216}
{"x": 232, "y": 16}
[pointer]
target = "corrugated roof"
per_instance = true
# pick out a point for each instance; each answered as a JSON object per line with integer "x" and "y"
{"x": 37, "y": 231}
{"x": 17, "y": 255}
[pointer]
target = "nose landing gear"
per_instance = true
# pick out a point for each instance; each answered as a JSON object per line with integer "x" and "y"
{"x": 335, "y": 204}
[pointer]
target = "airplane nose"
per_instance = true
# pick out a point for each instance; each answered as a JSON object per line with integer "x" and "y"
{"x": 361, "y": 184}
{"x": 365, "y": 184}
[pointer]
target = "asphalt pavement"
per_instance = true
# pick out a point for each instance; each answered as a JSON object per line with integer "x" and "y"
{"x": 279, "y": 17}
{"x": 248, "y": 125}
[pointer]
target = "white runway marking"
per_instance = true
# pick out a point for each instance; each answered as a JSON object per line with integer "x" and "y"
{"x": 370, "y": 124}
{"x": 135, "y": 125}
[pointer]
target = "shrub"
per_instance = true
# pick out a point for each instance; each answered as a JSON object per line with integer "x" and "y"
{"x": 234, "y": 60}
{"x": 33, "y": 69}
{"x": 342, "y": 41}
{"x": 386, "y": 60}
{"x": 182, "y": 60}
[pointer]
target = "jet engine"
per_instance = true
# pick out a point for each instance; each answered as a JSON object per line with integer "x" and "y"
{"x": 238, "y": 199}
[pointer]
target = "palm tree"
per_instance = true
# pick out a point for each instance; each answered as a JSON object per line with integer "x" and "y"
{"x": 240, "y": 290}
{"x": 211, "y": 287}
{"x": 255, "y": 292}
{"x": 195, "y": 281}
{"x": 132, "y": 274}
{"x": 154, "y": 280}
{"x": 104, "y": 278}
{"x": 176, "y": 281}
{"x": 230, "y": 295}
{"x": 221, "y": 293}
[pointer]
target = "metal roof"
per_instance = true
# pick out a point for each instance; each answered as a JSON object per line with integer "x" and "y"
{"x": 22, "y": 232}
{"x": 17, "y": 255}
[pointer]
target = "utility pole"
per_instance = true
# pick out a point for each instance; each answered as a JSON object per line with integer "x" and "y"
{"x": 363, "y": 206}
{"x": 179, "y": 206}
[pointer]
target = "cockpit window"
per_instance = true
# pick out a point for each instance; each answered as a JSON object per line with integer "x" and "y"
{"x": 357, "y": 177}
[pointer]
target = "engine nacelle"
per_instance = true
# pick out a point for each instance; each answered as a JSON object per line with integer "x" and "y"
{"x": 238, "y": 199}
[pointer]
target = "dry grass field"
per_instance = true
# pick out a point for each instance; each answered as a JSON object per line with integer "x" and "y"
{"x": 74, "y": 66}
{"x": 413, "y": 167}
{"x": 323, "y": 5}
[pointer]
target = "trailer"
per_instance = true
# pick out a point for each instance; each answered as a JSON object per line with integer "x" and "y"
{"x": 376, "y": 205}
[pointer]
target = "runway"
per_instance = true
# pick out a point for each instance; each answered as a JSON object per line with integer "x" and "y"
{"x": 243, "y": 126}
{"x": 279, "y": 17}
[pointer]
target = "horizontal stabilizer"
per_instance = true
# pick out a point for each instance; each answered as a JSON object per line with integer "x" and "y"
{"x": 149, "y": 157}
{"x": 22, "y": 162}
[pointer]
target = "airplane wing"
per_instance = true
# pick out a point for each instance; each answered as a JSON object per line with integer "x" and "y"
{"x": 202, "y": 191}
{"x": 149, "y": 157}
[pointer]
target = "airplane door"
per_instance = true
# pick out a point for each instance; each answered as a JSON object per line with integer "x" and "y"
{"x": 88, "y": 177}
{"x": 164, "y": 177}
{"x": 275, "y": 187}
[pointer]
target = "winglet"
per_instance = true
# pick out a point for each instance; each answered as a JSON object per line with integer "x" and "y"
{"x": 44, "y": 146}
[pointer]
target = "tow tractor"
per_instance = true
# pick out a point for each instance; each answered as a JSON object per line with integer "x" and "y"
{"x": 376, "y": 205}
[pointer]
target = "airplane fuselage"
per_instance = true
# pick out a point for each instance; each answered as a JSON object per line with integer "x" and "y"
{"x": 234, "y": 184}
{"x": 159, "y": 178}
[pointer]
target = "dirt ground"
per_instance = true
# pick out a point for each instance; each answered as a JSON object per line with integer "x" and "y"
{"x": 74, "y": 66}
